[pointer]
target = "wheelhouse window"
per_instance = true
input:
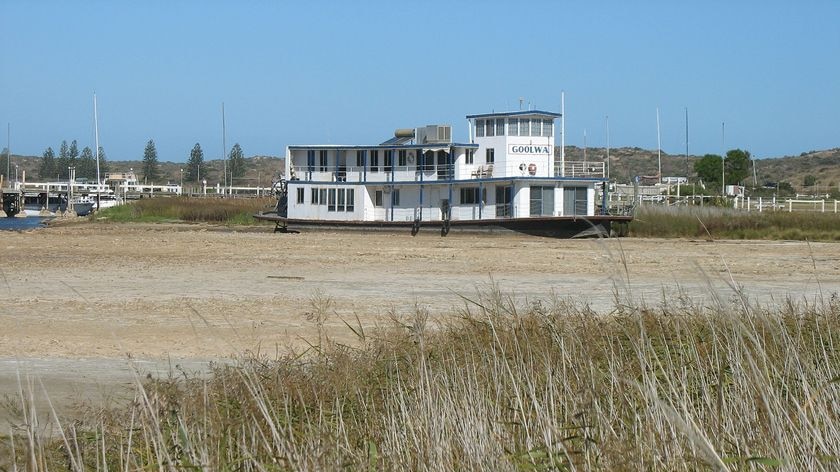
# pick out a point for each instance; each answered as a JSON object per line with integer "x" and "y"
{"x": 548, "y": 127}
{"x": 513, "y": 126}
{"x": 479, "y": 128}
{"x": 491, "y": 127}
{"x": 490, "y": 155}
{"x": 500, "y": 127}
{"x": 322, "y": 160}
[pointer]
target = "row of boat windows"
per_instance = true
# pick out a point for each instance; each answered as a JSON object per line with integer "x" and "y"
{"x": 515, "y": 127}
{"x": 386, "y": 164}
{"x": 335, "y": 199}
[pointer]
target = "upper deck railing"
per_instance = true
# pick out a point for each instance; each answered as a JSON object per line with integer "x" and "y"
{"x": 581, "y": 169}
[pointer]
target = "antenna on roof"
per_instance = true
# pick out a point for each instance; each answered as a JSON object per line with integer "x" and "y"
{"x": 520, "y": 103}
{"x": 658, "y": 145}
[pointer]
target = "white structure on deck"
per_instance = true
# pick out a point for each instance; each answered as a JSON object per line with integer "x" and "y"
{"x": 506, "y": 170}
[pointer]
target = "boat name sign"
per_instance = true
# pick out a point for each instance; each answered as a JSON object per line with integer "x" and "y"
{"x": 528, "y": 149}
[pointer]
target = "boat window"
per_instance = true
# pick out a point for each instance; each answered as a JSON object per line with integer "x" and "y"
{"x": 323, "y": 196}
{"x": 402, "y": 160}
{"x": 490, "y": 155}
{"x": 470, "y": 156}
{"x": 491, "y": 127}
{"x": 389, "y": 160}
{"x": 469, "y": 196}
{"x": 351, "y": 198}
{"x": 547, "y": 127}
{"x": 314, "y": 196}
{"x": 377, "y": 198}
{"x": 360, "y": 159}
{"x": 513, "y": 126}
{"x": 374, "y": 161}
{"x": 500, "y": 127}
{"x": 300, "y": 195}
{"x": 395, "y": 197}
{"x": 322, "y": 160}
{"x": 331, "y": 200}
{"x": 479, "y": 128}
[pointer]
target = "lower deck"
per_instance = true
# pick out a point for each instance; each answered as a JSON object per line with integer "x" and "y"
{"x": 491, "y": 199}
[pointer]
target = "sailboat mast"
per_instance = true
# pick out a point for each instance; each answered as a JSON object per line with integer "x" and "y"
{"x": 224, "y": 145}
{"x": 658, "y": 145}
{"x": 608, "y": 146}
{"x": 562, "y": 133}
{"x": 96, "y": 139}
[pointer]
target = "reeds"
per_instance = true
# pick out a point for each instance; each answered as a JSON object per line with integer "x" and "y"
{"x": 722, "y": 223}
{"x": 503, "y": 385}
{"x": 232, "y": 211}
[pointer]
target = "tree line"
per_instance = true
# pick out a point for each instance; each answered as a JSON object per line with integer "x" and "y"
{"x": 713, "y": 168}
{"x": 58, "y": 167}
{"x": 54, "y": 167}
{"x": 196, "y": 167}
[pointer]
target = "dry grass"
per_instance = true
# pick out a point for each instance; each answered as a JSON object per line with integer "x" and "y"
{"x": 722, "y": 223}
{"x": 503, "y": 386}
{"x": 235, "y": 211}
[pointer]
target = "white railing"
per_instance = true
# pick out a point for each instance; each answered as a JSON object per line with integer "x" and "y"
{"x": 581, "y": 169}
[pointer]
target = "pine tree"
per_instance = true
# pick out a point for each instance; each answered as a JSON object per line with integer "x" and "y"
{"x": 63, "y": 160}
{"x": 47, "y": 169}
{"x": 103, "y": 163}
{"x": 150, "y": 163}
{"x": 86, "y": 165}
{"x": 73, "y": 154}
{"x": 237, "y": 161}
{"x": 4, "y": 162}
{"x": 195, "y": 165}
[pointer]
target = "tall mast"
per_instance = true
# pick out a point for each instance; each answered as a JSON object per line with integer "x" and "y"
{"x": 723, "y": 158}
{"x": 96, "y": 140}
{"x": 658, "y": 145}
{"x": 224, "y": 145}
{"x": 562, "y": 133}
{"x": 608, "y": 147}
{"x": 8, "y": 151}
{"x": 686, "y": 141}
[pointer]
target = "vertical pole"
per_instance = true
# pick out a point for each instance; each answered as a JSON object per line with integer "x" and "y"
{"x": 686, "y": 141}
{"x": 608, "y": 147}
{"x": 8, "y": 149}
{"x": 723, "y": 159}
{"x": 96, "y": 138}
{"x": 562, "y": 134}
{"x": 224, "y": 146}
{"x": 659, "y": 146}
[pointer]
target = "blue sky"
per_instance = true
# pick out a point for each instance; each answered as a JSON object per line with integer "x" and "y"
{"x": 351, "y": 72}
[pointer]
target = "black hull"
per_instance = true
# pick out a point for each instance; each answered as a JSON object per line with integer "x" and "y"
{"x": 555, "y": 227}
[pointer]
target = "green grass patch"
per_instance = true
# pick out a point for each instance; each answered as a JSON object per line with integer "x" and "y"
{"x": 228, "y": 211}
{"x": 722, "y": 223}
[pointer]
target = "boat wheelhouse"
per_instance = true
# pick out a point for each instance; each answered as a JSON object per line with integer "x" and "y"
{"x": 506, "y": 175}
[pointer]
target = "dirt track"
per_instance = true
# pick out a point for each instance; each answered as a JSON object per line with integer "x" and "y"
{"x": 79, "y": 299}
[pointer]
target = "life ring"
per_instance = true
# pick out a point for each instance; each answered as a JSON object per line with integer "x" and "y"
{"x": 522, "y": 167}
{"x": 532, "y": 168}
{"x": 411, "y": 158}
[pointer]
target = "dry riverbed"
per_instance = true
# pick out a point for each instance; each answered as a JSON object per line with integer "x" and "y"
{"x": 85, "y": 304}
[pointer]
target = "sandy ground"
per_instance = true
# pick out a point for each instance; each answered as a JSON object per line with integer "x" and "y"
{"x": 80, "y": 300}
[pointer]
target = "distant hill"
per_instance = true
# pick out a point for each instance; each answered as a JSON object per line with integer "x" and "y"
{"x": 625, "y": 163}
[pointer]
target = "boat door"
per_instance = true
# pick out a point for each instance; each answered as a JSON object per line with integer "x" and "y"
{"x": 341, "y": 166}
{"x": 504, "y": 201}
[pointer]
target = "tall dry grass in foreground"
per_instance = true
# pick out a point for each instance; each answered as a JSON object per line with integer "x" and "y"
{"x": 726, "y": 223}
{"x": 504, "y": 386}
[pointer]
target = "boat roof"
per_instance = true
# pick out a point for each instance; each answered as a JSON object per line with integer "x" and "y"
{"x": 384, "y": 146}
{"x": 517, "y": 113}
